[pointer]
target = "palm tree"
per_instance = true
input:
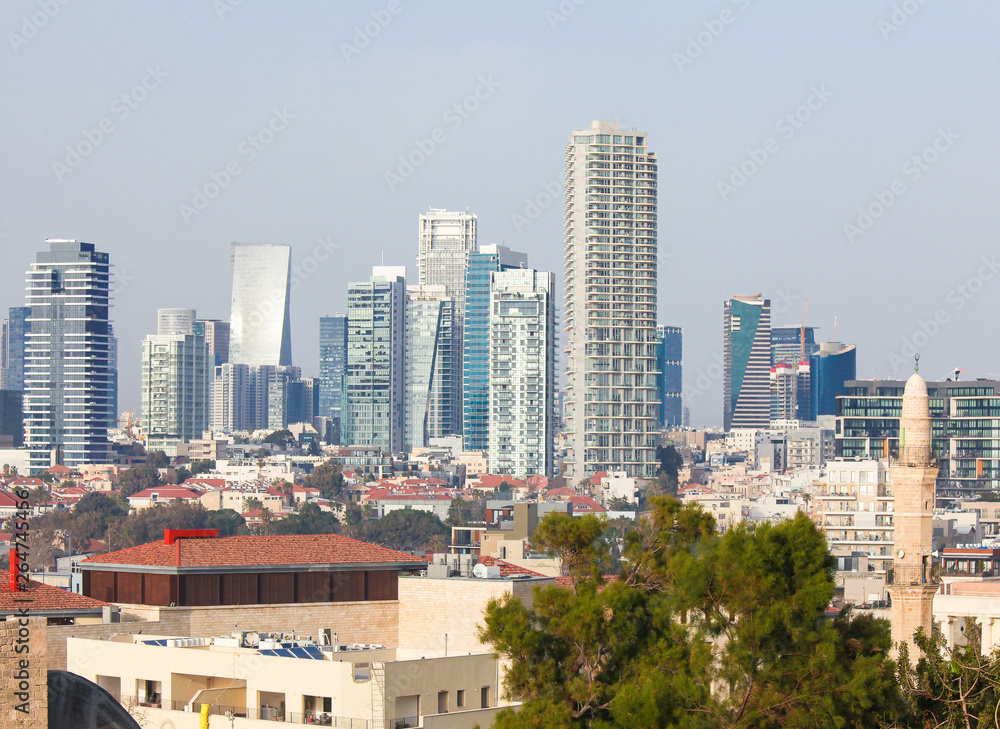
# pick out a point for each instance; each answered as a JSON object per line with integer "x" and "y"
{"x": 266, "y": 516}
{"x": 250, "y": 503}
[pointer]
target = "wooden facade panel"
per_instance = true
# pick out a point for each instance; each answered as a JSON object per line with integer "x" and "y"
{"x": 312, "y": 587}
{"x": 277, "y": 587}
{"x": 382, "y": 585}
{"x": 239, "y": 589}
{"x": 242, "y": 588}
{"x": 200, "y": 590}
{"x": 129, "y": 587}
{"x": 101, "y": 585}
{"x": 157, "y": 590}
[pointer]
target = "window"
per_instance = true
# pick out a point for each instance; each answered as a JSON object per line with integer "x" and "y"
{"x": 442, "y": 702}
{"x": 484, "y": 697}
{"x": 460, "y": 698}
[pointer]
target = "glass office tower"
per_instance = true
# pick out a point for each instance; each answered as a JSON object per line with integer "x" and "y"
{"x": 69, "y": 375}
{"x": 429, "y": 365}
{"x": 260, "y": 329}
{"x": 372, "y": 406}
{"x": 747, "y": 362}
{"x": 12, "y": 348}
{"x": 332, "y": 364}
{"x": 475, "y": 355}
{"x": 669, "y": 378}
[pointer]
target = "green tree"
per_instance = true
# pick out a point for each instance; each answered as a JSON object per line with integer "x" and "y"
{"x": 282, "y": 439}
{"x": 252, "y": 503}
{"x": 699, "y": 630}
{"x": 310, "y": 519}
{"x": 134, "y": 480}
{"x": 952, "y": 687}
{"x": 227, "y": 521}
{"x": 327, "y": 478}
{"x": 463, "y": 512}
{"x": 354, "y": 519}
{"x": 405, "y": 529}
{"x": 202, "y": 466}
{"x": 157, "y": 459}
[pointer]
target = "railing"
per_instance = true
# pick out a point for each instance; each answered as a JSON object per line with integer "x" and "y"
{"x": 268, "y": 713}
{"x": 404, "y": 721}
{"x": 899, "y": 575}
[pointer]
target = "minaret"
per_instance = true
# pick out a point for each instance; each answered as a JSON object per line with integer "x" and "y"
{"x": 913, "y": 477}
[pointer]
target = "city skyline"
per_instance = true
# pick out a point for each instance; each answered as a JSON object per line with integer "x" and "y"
{"x": 712, "y": 108}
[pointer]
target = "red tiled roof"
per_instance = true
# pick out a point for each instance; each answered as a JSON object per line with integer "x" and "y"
{"x": 254, "y": 550}
{"x": 167, "y": 492}
{"x": 214, "y": 482}
{"x": 8, "y": 500}
{"x": 585, "y": 505}
{"x": 506, "y": 568}
{"x": 45, "y": 597}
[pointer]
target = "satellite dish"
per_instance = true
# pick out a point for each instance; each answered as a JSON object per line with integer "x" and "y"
{"x": 480, "y": 571}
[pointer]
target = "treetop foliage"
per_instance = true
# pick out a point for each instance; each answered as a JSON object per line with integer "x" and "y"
{"x": 695, "y": 630}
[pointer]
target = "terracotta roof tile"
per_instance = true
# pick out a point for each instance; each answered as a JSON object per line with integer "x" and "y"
{"x": 506, "y": 568}
{"x": 254, "y": 550}
{"x": 45, "y": 597}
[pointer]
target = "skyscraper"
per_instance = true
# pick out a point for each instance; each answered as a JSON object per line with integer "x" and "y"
{"x": 216, "y": 335}
{"x": 522, "y": 373}
{"x": 260, "y": 330}
{"x": 446, "y": 240}
{"x": 175, "y": 321}
{"x": 612, "y": 402}
{"x": 429, "y": 404}
{"x": 476, "y": 352}
{"x": 372, "y": 406}
{"x": 747, "y": 362}
{"x": 669, "y": 378}
{"x": 786, "y": 343}
{"x": 176, "y": 370}
{"x": 12, "y": 348}
{"x": 332, "y": 364}
{"x": 830, "y": 369}
{"x": 68, "y": 378}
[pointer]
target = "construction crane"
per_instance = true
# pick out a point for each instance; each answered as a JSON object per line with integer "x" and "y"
{"x": 127, "y": 421}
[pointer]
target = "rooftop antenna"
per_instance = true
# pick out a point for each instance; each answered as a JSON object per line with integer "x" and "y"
{"x": 834, "y": 337}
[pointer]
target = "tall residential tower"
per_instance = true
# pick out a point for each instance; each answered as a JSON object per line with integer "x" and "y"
{"x": 612, "y": 401}
{"x": 69, "y": 375}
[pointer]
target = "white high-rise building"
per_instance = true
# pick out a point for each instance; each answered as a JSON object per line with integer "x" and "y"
{"x": 522, "y": 373}
{"x": 446, "y": 239}
{"x": 176, "y": 373}
{"x": 259, "y": 326}
{"x": 612, "y": 404}
{"x": 175, "y": 321}
{"x": 69, "y": 371}
{"x": 429, "y": 406}
{"x": 373, "y": 397}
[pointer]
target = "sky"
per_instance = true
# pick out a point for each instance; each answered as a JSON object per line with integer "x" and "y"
{"x": 841, "y": 152}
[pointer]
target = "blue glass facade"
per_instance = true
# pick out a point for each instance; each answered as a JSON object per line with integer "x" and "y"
{"x": 476, "y": 354}
{"x": 669, "y": 349}
{"x": 12, "y": 373}
{"x": 829, "y": 369}
{"x": 332, "y": 364}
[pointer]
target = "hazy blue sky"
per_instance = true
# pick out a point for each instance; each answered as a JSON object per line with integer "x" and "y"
{"x": 886, "y": 82}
